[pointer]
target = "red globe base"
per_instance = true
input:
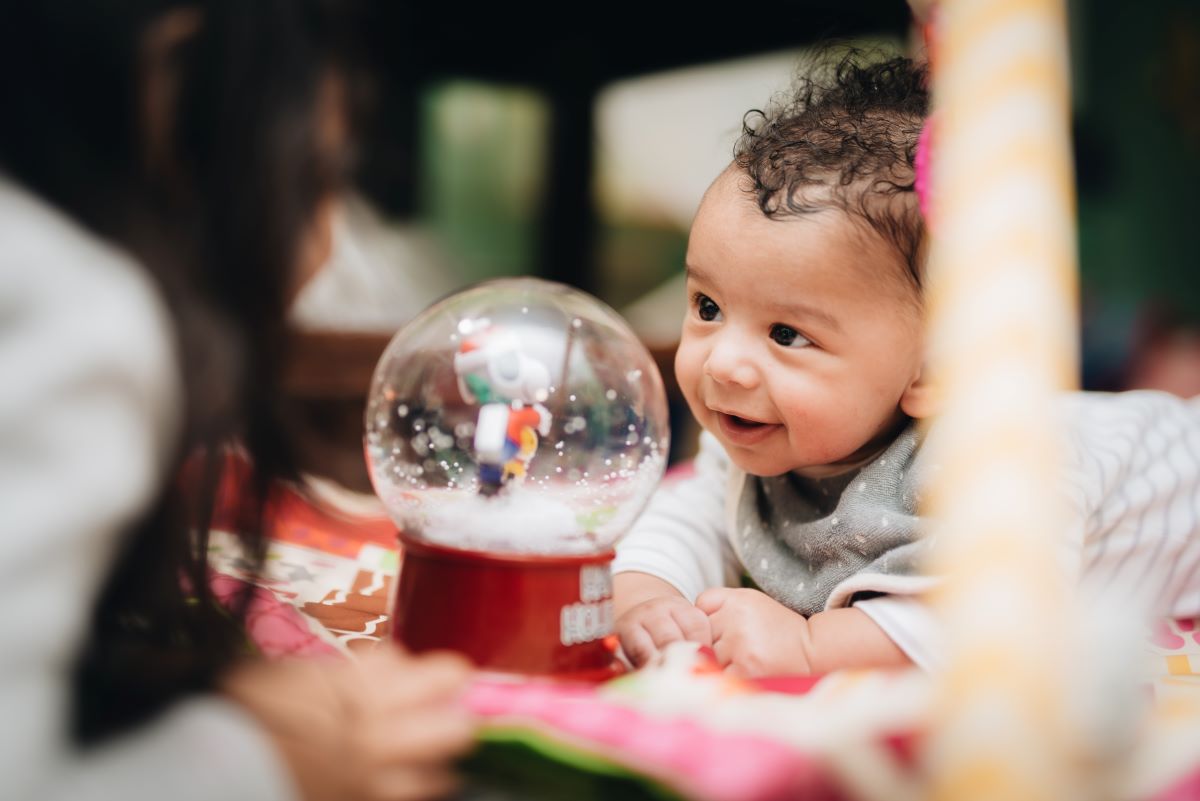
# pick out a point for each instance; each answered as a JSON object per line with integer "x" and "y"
{"x": 538, "y": 615}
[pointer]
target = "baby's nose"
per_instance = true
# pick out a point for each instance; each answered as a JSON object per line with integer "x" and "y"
{"x": 729, "y": 362}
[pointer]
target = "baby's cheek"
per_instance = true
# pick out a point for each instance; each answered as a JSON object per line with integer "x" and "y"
{"x": 689, "y": 369}
{"x": 821, "y": 428}
{"x": 808, "y": 408}
{"x": 689, "y": 361}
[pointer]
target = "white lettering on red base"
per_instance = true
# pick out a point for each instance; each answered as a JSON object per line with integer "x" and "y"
{"x": 595, "y": 583}
{"x": 580, "y": 623}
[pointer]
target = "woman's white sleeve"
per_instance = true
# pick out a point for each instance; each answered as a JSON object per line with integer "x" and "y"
{"x": 87, "y": 415}
{"x": 201, "y": 749}
{"x": 681, "y": 537}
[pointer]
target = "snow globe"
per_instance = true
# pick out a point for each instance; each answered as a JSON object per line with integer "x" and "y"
{"x": 514, "y": 431}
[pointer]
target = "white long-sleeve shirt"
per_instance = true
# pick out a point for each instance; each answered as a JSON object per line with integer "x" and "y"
{"x": 1131, "y": 481}
{"x": 88, "y": 413}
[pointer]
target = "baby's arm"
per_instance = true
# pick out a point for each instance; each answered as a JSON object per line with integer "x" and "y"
{"x": 651, "y": 613}
{"x": 755, "y": 635}
{"x": 675, "y": 550}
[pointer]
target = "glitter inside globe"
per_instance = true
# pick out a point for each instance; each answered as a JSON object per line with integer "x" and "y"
{"x": 517, "y": 416}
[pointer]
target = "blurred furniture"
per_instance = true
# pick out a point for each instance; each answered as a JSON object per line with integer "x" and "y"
{"x": 326, "y": 380}
{"x": 410, "y": 45}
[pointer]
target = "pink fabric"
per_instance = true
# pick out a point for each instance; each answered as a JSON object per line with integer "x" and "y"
{"x": 1187, "y": 789}
{"x": 922, "y": 167}
{"x": 702, "y": 763}
{"x": 275, "y": 627}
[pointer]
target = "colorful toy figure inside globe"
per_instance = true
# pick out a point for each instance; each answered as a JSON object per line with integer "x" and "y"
{"x": 514, "y": 431}
{"x": 493, "y": 371}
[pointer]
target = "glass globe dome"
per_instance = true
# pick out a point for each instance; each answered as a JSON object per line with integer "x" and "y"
{"x": 518, "y": 416}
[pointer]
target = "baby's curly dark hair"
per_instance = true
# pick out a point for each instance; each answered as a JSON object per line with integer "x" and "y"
{"x": 845, "y": 139}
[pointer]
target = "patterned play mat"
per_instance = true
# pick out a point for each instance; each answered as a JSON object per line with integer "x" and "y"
{"x": 679, "y": 729}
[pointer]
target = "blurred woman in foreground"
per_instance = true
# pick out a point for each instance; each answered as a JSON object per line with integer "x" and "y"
{"x": 165, "y": 176}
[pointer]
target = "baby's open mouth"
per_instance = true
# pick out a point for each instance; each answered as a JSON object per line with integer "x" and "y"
{"x": 742, "y": 422}
{"x": 742, "y": 431}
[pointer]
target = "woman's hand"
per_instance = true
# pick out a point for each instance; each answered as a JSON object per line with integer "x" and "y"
{"x": 385, "y": 728}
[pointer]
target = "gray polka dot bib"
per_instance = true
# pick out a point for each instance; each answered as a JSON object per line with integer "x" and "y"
{"x": 799, "y": 539}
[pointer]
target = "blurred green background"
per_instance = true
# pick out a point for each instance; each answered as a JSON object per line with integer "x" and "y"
{"x": 658, "y": 138}
{"x": 495, "y": 149}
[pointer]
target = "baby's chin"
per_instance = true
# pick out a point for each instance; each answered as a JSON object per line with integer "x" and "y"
{"x": 758, "y": 463}
{"x": 764, "y": 464}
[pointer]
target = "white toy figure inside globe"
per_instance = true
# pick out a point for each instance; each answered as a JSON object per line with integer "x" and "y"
{"x": 518, "y": 416}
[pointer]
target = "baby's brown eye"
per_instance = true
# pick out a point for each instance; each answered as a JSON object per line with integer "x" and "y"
{"x": 705, "y": 307}
{"x": 787, "y": 336}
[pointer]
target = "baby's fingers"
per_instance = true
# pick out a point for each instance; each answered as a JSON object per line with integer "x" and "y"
{"x": 693, "y": 624}
{"x": 663, "y": 628}
{"x": 637, "y": 644}
{"x": 711, "y": 600}
{"x": 644, "y": 635}
{"x": 725, "y": 649}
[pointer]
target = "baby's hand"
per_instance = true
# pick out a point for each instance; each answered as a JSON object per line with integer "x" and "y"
{"x": 755, "y": 635}
{"x": 646, "y": 628}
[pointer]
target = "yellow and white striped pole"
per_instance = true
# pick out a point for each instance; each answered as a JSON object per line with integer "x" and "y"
{"x": 1002, "y": 303}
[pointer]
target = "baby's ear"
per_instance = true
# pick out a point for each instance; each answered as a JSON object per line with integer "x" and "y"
{"x": 920, "y": 399}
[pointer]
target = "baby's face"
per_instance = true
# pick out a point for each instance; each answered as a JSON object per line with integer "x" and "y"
{"x": 802, "y": 343}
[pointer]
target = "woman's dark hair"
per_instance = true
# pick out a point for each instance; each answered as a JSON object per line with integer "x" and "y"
{"x": 845, "y": 139}
{"x": 214, "y": 205}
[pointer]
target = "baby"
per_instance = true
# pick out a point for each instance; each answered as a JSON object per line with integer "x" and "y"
{"x": 802, "y": 357}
